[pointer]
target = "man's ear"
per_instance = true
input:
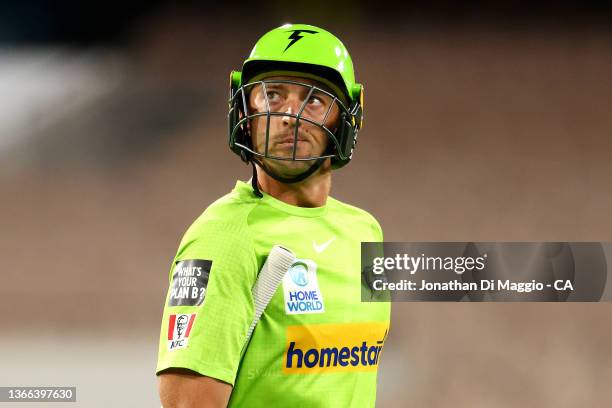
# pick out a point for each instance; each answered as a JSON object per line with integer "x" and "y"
{"x": 248, "y": 122}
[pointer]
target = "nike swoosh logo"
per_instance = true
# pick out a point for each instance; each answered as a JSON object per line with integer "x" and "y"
{"x": 320, "y": 248}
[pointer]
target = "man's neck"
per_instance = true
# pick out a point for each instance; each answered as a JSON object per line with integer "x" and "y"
{"x": 311, "y": 192}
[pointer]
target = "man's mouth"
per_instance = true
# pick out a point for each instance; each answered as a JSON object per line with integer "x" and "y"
{"x": 288, "y": 141}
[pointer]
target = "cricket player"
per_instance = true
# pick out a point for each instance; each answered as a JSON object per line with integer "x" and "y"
{"x": 294, "y": 113}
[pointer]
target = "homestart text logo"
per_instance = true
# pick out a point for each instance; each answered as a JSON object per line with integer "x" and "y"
{"x": 301, "y": 288}
{"x": 327, "y": 348}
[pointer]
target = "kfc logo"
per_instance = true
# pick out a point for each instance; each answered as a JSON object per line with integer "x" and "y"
{"x": 179, "y": 327}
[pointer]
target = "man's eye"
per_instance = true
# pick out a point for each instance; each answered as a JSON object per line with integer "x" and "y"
{"x": 315, "y": 100}
{"x": 272, "y": 95}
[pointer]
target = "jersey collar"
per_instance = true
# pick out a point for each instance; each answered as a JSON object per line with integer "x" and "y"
{"x": 245, "y": 188}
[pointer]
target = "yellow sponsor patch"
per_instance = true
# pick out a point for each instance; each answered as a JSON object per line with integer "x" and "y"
{"x": 330, "y": 348}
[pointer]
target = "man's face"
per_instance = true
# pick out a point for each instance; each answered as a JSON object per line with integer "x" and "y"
{"x": 287, "y": 98}
{"x": 180, "y": 325}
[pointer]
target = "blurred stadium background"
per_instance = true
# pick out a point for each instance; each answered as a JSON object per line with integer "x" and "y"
{"x": 488, "y": 121}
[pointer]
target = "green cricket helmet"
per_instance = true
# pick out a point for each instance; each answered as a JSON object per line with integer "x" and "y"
{"x": 298, "y": 50}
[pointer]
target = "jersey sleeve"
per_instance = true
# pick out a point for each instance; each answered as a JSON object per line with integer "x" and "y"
{"x": 209, "y": 305}
{"x": 378, "y": 230}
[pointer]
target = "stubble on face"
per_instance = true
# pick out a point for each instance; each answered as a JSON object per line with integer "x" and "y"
{"x": 312, "y": 140}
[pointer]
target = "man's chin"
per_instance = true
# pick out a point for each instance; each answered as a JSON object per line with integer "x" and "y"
{"x": 288, "y": 169}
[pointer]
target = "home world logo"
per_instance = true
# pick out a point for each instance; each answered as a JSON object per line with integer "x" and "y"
{"x": 301, "y": 288}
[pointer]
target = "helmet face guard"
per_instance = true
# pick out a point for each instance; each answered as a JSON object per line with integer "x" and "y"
{"x": 341, "y": 140}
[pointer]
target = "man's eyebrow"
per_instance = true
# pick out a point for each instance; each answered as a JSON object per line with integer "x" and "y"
{"x": 320, "y": 89}
{"x": 274, "y": 85}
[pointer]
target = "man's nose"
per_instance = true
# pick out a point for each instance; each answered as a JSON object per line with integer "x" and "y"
{"x": 292, "y": 108}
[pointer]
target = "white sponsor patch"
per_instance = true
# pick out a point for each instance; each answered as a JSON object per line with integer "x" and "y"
{"x": 301, "y": 288}
{"x": 179, "y": 328}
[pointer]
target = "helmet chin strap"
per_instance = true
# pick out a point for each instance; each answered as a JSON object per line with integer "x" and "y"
{"x": 287, "y": 180}
{"x": 256, "y": 190}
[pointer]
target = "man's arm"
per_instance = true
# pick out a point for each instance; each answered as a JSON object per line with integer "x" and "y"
{"x": 181, "y": 388}
{"x": 202, "y": 336}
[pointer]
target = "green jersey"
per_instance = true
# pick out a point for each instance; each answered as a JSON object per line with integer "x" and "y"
{"x": 316, "y": 344}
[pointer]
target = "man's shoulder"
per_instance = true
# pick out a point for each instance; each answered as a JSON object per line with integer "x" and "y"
{"x": 222, "y": 228}
{"x": 232, "y": 207}
{"x": 349, "y": 209}
{"x": 229, "y": 212}
{"x": 354, "y": 213}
